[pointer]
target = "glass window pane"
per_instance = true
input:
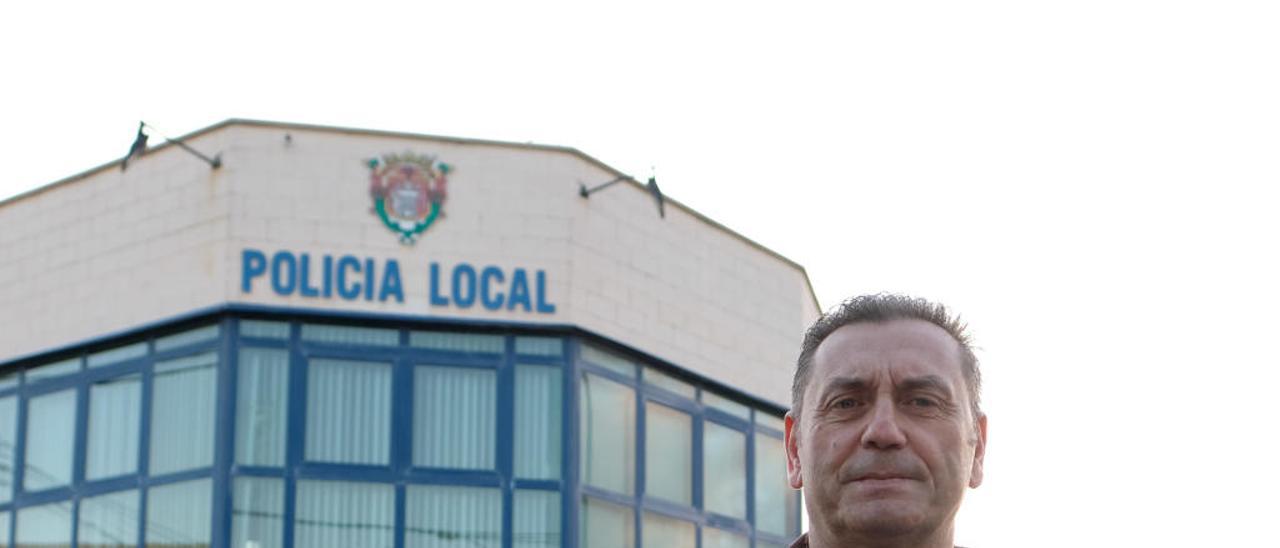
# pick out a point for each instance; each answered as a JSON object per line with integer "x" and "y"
{"x": 537, "y": 519}
{"x": 109, "y": 521}
{"x": 537, "y": 422}
{"x": 724, "y": 470}
{"x": 540, "y": 346}
{"x": 608, "y": 433}
{"x": 454, "y": 417}
{"x": 341, "y": 514}
{"x": 458, "y": 342}
{"x": 51, "y": 421}
{"x": 47, "y": 526}
{"x": 117, "y": 355}
{"x": 607, "y": 524}
{"x": 668, "y": 454}
{"x": 348, "y": 412}
{"x": 608, "y": 360}
{"x": 264, "y": 329}
{"x": 775, "y": 512}
{"x": 182, "y": 413}
{"x": 262, "y": 399}
{"x": 716, "y": 538}
{"x": 4, "y": 529}
{"x": 179, "y": 514}
{"x": 664, "y": 532}
{"x": 197, "y": 335}
{"x": 257, "y": 513}
{"x": 764, "y": 418}
{"x": 9, "y": 380}
{"x": 453, "y": 517}
{"x": 669, "y": 383}
{"x": 8, "y": 441}
{"x": 115, "y": 417}
{"x": 341, "y": 334}
{"x": 51, "y": 370}
{"x": 716, "y": 401}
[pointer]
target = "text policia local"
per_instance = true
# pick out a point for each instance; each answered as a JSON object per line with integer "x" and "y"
{"x": 350, "y": 278}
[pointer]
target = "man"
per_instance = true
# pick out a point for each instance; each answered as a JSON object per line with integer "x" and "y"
{"x": 885, "y": 431}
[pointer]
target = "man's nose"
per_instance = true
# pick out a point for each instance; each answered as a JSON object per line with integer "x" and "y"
{"x": 883, "y": 431}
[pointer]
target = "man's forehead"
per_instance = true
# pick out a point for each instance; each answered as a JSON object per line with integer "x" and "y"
{"x": 898, "y": 348}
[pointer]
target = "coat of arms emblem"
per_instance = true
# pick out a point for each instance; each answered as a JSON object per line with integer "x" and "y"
{"x": 408, "y": 192}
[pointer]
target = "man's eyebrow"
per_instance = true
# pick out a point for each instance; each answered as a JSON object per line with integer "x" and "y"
{"x": 926, "y": 382}
{"x": 844, "y": 384}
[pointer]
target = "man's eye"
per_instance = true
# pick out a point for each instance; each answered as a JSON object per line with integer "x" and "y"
{"x": 846, "y": 403}
{"x": 922, "y": 402}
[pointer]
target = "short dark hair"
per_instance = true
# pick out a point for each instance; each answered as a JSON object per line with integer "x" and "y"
{"x": 880, "y": 308}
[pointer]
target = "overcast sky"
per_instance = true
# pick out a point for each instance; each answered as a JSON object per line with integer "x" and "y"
{"x": 1090, "y": 183}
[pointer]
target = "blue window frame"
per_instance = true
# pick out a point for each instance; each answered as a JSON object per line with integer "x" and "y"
{"x": 483, "y": 415}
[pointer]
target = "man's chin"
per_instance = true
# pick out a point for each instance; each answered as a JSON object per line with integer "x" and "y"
{"x": 884, "y": 517}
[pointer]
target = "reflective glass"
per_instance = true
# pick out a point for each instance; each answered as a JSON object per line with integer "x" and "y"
{"x": 765, "y": 419}
{"x": 10, "y": 380}
{"x": 193, "y": 336}
{"x": 537, "y": 422}
{"x": 51, "y": 422}
{"x": 262, "y": 399}
{"x": 117, "y": 355}
{"x": 608, "y": 434}
{"x": 775, "y": 500}
{"x": 454, "y": 417}
{"x": 458, "y": 342}
{"x": 439, "y": 516}
{"x": 724, "y": 470}
{"x": 342, "y": 514}
{"x": 607, "y": 524}
{"x": 257, "y": 513}
{"x": 664, "y": 532}
{"x": 716, "y": 538}
{"x": 348, "y": 412}
{"x": 540, "y": 346}
{"x": 716, "y": 401}
{"x": 47, "y": 526}
{"x": 4, "y": 529}
{"x": 8, "y": 444}
{"x": 179, "y": 514}
{"x": 183, "y": 413}
{"x": 108, "y": 521}
{"x": 668, "y": 454}
{"x": 608, "y": 360}
{"x": 537, "y": 519}
{"x": 669, "y": 383}
{"x": 264, "y": 329}
{"x": 51, "y": 370}
{"x": 115, "y": 418}
{"x": 342, "y": 334}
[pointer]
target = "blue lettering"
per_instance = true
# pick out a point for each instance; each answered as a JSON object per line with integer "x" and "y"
{"x": 391, "y": 282}
{"x": 328, "y": 276}
{"x": 490, "y": 296}
{"x": 464, "y": 285}
{"x": 519, "y": 291}
{"x": 283, "y": 283}
{"x": 368, "y": 279}
{"x": 436, "y": 298}
{"x": 304, "y": 270}
{"x": 544, "y": 307}
{"x": 345, "y": 291}
{"x": 253, "y": 264}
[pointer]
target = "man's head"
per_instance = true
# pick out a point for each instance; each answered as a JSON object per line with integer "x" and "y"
{"x": 885, "y": 431}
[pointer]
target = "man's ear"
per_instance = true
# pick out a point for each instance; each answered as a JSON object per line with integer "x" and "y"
{"x": 791, "y": 438}
{"x": 979, "y": 452}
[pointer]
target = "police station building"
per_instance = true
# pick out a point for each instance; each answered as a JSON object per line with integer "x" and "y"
{"x": 347, "y": 338}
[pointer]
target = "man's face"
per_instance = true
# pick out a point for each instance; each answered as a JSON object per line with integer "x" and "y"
{"x": 885, "y": 442}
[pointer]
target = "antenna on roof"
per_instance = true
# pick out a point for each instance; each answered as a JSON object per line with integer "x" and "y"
{"x": 139, "y": 148}
{"x": 652, "y": 186}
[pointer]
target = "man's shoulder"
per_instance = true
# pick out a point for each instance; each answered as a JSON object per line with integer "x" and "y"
{"x": 803, "y": 542}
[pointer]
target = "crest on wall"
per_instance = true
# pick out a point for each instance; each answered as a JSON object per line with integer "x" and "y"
{"x": 408, "y": 192}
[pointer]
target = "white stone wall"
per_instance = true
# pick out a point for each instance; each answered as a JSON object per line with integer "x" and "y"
{"x": 113, "y": 251}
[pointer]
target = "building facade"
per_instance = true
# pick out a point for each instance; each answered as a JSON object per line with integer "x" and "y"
{"x": 355, "y": 338}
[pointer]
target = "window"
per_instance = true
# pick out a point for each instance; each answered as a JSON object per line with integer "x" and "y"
{"x": 608, "y": 430}
{"x": 537, "y": 519}
{"x": 668, "y": 454}
{"x": 180, "y": 514}
{"x": 109, "y": 521}
{"x": 537, "y": 422}
{"x": 664, "y": 532}
{"x": 716, "y": 538}
{"x": 724, "y": 470}
{"x": 439, "y": 516}
{"x": 606, "y": 524}
{"x": 454, "y": 417}
{"x": 262, "y": 399}
{"x": 47, "y": 526}
{"x": 257, "y": 513}
{"x": 182, "y": 413}
{"x": 775, "y": 500}
{"x": 51, "y": 424}
{"x": 8, "y": 444}
{"x": 115, "y": 417}
{"x": 348, "y": 412}
{"x": 343, "y": 514}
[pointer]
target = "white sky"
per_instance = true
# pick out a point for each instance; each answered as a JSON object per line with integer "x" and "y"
{"x": 1090, "y": 183}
